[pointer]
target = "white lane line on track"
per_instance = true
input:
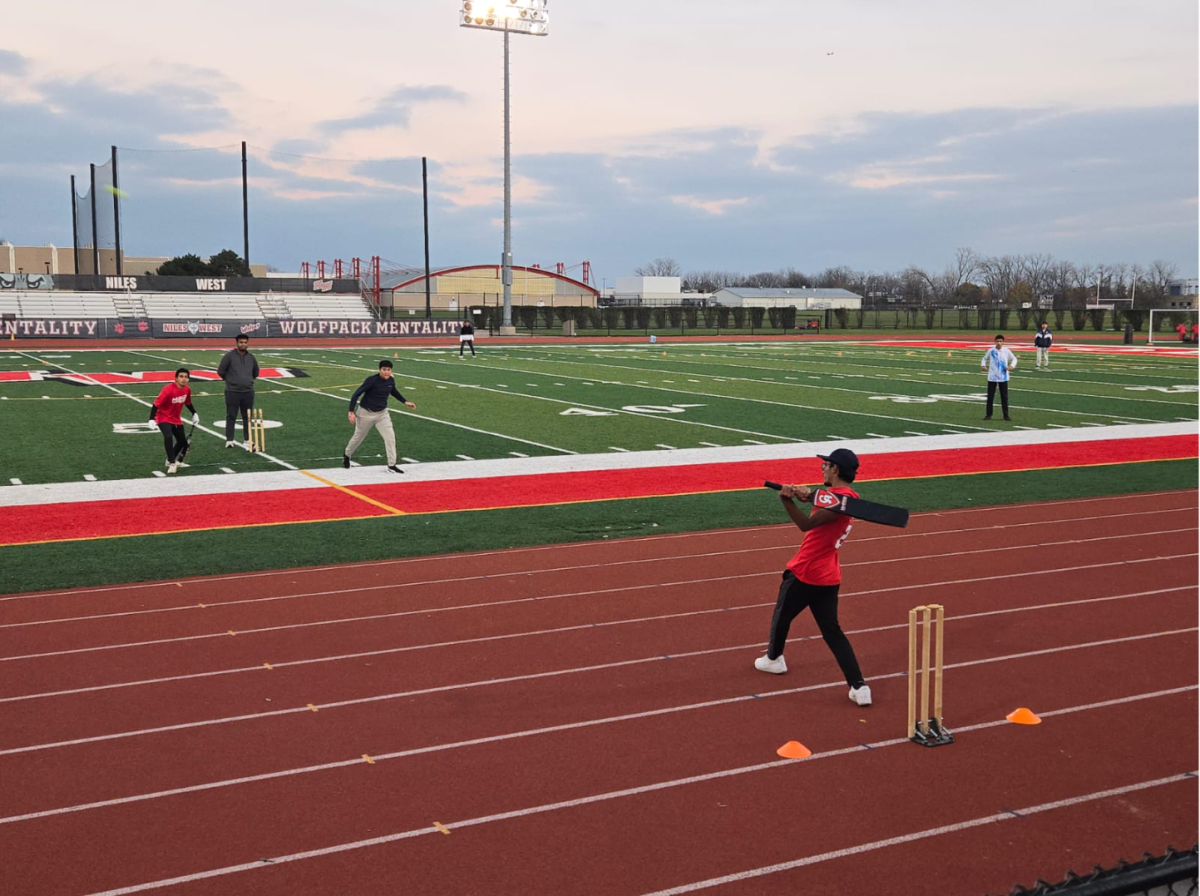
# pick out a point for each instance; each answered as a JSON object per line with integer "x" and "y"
{"x": 534, "y": 633}
{"x": 671, "y": 784}
{"x": 534, "y": 676}
{"x": 850, "y": 851}
{"x": 459, "y": 580}
{"x": 639, "y": 587}
{"x": 619, "y": 544}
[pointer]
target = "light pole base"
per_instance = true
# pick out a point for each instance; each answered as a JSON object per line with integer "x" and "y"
{"x": 508, "y": 331}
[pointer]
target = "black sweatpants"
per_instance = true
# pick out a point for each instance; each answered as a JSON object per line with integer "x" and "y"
{"x": 235, "y": 402}
{"x": 794, "y": 596}
{"x": 992, "y": 397}
{"x": 174, "y": 440}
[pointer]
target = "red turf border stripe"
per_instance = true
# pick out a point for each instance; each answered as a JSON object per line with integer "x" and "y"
{"x": 188, "y": 513}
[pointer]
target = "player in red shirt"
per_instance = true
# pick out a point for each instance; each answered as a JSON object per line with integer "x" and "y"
{"x": 165, "y": 412}
{"x": 814, "y": 576}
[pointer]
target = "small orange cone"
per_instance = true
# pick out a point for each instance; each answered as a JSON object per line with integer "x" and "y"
{"x": 949, "y": 354}
{"x": 395, "y": 354}
{"x": 793, "y": 749}
{"x": 664, "y": 354}
{"x": 839, "y": 354}
{"x": 1023, "y": 716}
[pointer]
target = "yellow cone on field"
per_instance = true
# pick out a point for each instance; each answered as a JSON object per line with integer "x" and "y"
{"x": 664, "y": 354}
{"x": 839, "y": 354}
{"x": 1023, "y": 716}
{"x": 949, "y": 354}
{"x": 793, "y": 749}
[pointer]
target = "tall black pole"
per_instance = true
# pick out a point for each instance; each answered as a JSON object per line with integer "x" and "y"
{"x": 425, "y": 197}
{"x": 95, "y": 242}
{"x": 245, "y": 213}
{"x": 116, "y": 209}
{"x": 75, "y": 222}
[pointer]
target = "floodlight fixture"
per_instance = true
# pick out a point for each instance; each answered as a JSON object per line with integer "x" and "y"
{"x": 508, "y": 17}
{"x": 517, "y": 16}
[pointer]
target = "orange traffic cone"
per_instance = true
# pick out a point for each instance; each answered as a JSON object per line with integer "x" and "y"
{"x": 1023, "y": 716}
{"x": 793, "y": 749}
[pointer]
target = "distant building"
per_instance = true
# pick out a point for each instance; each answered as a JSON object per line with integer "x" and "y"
{"x": 647, "y": 291}
{"x": 803, "y": 299}
{"x": 456, "y": 288}
{"x": 52, "y": 259}
{"x": 1182, "y": 293}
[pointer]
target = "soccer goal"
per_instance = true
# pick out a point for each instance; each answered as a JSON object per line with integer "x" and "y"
{"x": 1165, "y": 323}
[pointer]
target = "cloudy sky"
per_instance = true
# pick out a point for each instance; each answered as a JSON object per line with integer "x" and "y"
{"x": 742, "y": 136}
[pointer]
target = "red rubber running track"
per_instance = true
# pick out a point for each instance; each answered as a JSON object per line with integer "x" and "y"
{"x": 585, "y": 719}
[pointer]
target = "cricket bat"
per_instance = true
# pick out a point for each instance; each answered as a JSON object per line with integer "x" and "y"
{"x": 858, "y": 508}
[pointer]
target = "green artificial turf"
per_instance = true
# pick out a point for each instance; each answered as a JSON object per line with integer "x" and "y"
{"x": 118, "y": 560}
{"x": 521, "y": 400}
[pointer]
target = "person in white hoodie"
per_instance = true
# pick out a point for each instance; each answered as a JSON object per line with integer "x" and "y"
{"x": 998, "y": 361}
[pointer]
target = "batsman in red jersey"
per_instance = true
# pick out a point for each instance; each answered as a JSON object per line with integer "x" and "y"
{"x": 166, "y": 413}
{"x": 813, "y": 577}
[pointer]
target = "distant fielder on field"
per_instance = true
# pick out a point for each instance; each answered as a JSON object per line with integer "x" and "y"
{"x": 374, "y": 392}
{"x": 165, "y": 412}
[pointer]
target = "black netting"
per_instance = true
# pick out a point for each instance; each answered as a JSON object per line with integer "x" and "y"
{"x": 106, "y": 218}
{"x": 1171, "y": 874}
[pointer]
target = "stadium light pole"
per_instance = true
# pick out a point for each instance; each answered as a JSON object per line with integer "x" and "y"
{"x": 509, "y": 17}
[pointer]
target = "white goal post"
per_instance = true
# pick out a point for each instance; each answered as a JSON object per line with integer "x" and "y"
{"x": 1186, "y": 316}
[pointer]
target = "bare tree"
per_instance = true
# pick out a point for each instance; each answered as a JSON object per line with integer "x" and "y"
{"x": 660, "y": 267}
{"x": 1000, "y": 273}
{"x": 1158, "y": 281}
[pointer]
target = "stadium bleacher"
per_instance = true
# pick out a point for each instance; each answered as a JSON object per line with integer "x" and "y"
{"x": 183, "y": 306}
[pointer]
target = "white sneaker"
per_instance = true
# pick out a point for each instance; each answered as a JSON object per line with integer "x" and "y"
{"x": 171, "y": 468}
{"x": 775, "y": 666}
{"x": 230, "y": 444}
{"x": 861, "y": 696}
{"x": 247, "y": 446}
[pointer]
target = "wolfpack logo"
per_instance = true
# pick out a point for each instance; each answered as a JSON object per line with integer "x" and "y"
{"x": 826, "y": 500}
{"x": 322, "y": 286}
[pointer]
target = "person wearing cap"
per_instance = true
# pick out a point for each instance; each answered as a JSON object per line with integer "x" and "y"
{"x": 239, "y": 369}
{"x": 373, "y": 414}
{"x": 813, "y": 576}
{"x": 998, "y": 361}
{"x": 1042, "y": 341}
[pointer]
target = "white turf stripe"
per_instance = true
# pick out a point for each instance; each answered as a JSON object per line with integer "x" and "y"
{"x": 617, "y": 544}
{"x": 458, "y": 580}
{"x": 568, "y": 594}
{"x": 516, "y": 466}
{"x": 652, "y": 788}
{"x": 535, "y": 633}
{"x": 554, "y": 673}
{"x": 1006, "y": 815}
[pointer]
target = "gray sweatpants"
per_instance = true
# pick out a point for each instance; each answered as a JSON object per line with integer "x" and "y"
{"x": 1043, "y": 357}
{"x": 364, "y": 422}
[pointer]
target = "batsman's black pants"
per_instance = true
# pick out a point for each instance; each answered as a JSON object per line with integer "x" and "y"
{"x": 794, "y": 596}
{"x": 174, "y": 440}
{"x": 992, "y": 397}
{"x": 235, "y": 402}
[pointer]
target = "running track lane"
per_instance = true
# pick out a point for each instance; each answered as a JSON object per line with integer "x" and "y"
{"x": 29, "y": 524}
{"x": 628, "y": 759}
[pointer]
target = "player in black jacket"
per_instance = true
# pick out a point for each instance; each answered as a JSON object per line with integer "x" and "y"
{"x": 374, "y": 392}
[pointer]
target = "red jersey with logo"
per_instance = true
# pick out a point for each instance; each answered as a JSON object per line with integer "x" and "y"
{"x": 816, "y": 563}
{"x": 169, "y": 403}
